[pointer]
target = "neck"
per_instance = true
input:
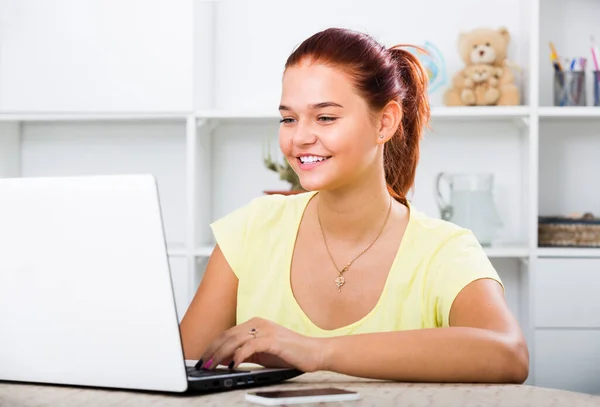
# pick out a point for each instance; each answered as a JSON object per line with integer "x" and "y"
{"x": 356, "y": 214}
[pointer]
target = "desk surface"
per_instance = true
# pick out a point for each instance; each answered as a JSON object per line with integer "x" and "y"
{"x": 374, "y": 393}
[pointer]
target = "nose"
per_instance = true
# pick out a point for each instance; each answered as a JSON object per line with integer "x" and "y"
{"x": 304, "y": 134}
{"x": 481, "y": 52}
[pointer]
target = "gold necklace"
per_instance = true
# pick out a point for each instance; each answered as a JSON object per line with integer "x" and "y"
{"x": 340, "y": 280}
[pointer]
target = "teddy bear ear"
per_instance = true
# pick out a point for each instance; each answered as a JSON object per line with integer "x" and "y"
{"x": 504, "y": 33}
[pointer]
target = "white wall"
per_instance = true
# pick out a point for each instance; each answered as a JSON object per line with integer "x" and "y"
{"x": 569, "y": 152}
{"x": 254, "y": 38}
{"x": 203, "y": 49}
{"x": 110, "y": 55}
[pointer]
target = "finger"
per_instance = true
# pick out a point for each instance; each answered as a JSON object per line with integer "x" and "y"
{"x": 250, "y": 348}
{"x": 225, "y": 353}
{"x": 223, "y": 348}
{"x": 228, "y": 362}
{"x": 208, "y": 356}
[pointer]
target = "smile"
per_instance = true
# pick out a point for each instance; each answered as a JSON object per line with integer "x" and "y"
{"x": 308, "y": 162}
{"x": 307, "y": 159}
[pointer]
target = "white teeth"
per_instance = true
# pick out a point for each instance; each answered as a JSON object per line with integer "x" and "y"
{"x": 311, "y": 159}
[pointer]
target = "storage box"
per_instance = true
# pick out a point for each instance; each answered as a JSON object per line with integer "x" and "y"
{"x": 557, "y": 231}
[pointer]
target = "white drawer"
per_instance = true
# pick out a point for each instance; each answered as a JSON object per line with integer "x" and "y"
{"x": 567, "y": 293}
{"x": 568, "y": 360}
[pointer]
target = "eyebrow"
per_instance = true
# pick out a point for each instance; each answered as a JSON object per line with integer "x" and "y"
{"x": 315, "y": 106}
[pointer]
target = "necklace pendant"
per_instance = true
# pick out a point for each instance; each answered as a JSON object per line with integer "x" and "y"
{"x": 339, "y": 282}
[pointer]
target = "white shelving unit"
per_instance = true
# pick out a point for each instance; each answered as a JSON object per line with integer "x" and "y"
{"x": 550, "y": 113}
{"x": 203, "y": 138}
{"x": 572, "y": 253}
{"x": 103, "y": 117}
{"x": 437, "y": 112}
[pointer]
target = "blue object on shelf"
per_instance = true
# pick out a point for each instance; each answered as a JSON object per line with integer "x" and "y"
{"x": 434, "y": 64}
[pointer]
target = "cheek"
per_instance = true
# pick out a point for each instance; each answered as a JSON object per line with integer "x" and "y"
{"x": 285, "y": 141}
{"x": 353, "y": 140}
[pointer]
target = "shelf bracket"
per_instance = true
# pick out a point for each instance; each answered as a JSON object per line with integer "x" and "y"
{"x": 522, "y": 122}
{"x": 207, "y": 126}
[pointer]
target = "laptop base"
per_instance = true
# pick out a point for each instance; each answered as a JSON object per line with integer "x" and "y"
{"x": 224, "y": 379}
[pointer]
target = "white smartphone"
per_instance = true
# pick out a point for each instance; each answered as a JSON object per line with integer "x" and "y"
{"x": 320, "y": 395}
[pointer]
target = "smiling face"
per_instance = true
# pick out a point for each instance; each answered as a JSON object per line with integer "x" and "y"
{"x": 327, "y": 133}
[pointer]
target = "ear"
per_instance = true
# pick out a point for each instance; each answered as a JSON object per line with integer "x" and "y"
{"x": 390, "y": 120}
{"x": 503, "y": 31}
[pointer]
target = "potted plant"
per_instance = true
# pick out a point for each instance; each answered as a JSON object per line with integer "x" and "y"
{"x": 286, "y": 173}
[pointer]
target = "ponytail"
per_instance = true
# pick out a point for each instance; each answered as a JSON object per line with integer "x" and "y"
{"x": 401, "y": 152}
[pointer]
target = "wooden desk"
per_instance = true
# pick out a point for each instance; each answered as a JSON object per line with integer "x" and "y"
{"x": 374, "y": 393}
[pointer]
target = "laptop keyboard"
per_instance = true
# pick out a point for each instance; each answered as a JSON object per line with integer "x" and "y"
{"x": 193, "y": 372}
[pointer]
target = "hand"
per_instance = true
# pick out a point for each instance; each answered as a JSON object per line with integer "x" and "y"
{"x": 271, "y": 346}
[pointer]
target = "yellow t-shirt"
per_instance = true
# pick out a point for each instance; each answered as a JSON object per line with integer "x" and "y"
{"x": 435, "y": 261}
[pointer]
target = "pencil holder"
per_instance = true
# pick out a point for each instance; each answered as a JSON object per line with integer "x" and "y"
{"x": 569, "y": 88}
{"x": 596, "y": 88}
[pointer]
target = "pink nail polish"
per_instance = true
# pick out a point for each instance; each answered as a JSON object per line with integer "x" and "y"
{"x": 207, "y": 364}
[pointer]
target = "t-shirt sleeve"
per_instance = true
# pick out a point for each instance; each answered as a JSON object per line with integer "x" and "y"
{"x": 459, "y": 261}
{"x": 231, "y": 233}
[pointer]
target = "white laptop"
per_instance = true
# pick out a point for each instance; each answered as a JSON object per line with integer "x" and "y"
{"x": 86, "y": 297}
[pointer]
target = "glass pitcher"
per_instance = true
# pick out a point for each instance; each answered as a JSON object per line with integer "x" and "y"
{"x": 471, "y": 204}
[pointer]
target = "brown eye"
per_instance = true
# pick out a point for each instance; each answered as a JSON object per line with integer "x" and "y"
{"x": 326, "y": 119}
{"x": 488, "y": 44}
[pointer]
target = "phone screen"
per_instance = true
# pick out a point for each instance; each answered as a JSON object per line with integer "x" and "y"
{"x": 276, "y": 394}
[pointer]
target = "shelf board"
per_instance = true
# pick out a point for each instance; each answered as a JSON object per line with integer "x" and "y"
{"x": 176, "y": 250}
{"x": 91, "y": 116}
{"x": 569, "y": 112}
{"x": 568, "y": 252}
{"x": 481, "y": 112}
{"x": 441, "y": 112}
{"x": 237, "y": 115}
{"x": 507, "y": 251}
{"x": 204, "y": 251}
{"x": 438, "y": 112}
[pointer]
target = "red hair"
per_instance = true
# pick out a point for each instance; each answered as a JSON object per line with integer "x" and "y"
{"x": 380, "y": 75}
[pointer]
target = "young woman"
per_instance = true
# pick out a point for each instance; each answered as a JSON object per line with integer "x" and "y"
{"x": 349, "y": 277}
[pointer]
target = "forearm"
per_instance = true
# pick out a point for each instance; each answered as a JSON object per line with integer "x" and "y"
{"x": 453, "y": 354}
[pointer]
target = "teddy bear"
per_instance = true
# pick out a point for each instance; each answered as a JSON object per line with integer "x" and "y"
{"x": 481, "y": 85}
{"x": 484, "y": 46}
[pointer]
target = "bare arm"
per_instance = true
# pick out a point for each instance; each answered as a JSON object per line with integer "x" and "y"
{"x": 483, "y": 344}
{"x": 212, "y": 309}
